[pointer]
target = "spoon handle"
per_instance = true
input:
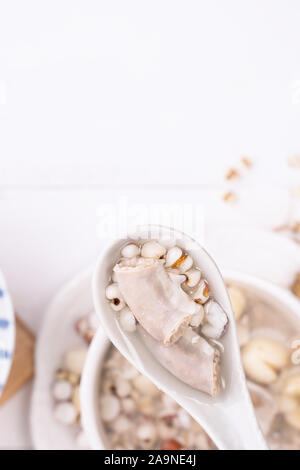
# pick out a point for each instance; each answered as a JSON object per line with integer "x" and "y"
{"x": 235, "y": 428}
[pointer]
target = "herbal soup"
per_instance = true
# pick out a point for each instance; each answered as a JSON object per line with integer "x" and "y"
{"x": 136, "y": 415}
{"x": 161, "y": 292}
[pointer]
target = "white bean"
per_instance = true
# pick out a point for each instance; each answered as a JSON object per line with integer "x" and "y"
{"x": 146, "y": 406}
{"x": 117, "y": 304}
{"x": 167, "y": 242}
{"x": 165, "y": 431}
{"x": 197, "y": 318}
{"x": 129, "y": 372}
{"x": 130, "y": 250}
{"x": 75, "y": 358}
{"x": 127, "y": 320}
{"x": 176, "y": 277}
{"x": 145, "y": 386}
{"x": 128, "y": 405}
{"x": 147, "y": 433}
{"x": 291, "y": 386}
{"x": 65, "y": 413}
{"x": 238, "y": 301}
{"x": 123, "y": 387}
{"x": 184, "y": 418}
{"x": 62, "y": 390}
{"x": 81, "y": 440}
{"x": 186, "y": 264}
{"x": 153, "y": 249}
{"x": 263, "y": 358}
{"x": 113, "y": 292}
{"x": 202, "y": 293}
{"x": 173, "y": 254}
{"x": 121, "y": 424}
{"x": 110, "y": 408}
{"x": 215, "y": 320}
{"x": 193, "y": 277}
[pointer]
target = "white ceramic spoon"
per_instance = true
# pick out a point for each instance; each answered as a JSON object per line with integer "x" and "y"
{"x": 228, "y": 418}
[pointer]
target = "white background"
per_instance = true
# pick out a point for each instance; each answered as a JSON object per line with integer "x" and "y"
{"x": 100, "y": 99}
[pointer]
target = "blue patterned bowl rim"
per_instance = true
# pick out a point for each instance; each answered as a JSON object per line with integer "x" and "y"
{"x": 7, "y": 332}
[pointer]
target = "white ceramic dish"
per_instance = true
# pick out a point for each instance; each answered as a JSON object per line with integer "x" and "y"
{"x": 7, "y": 332}
{"x": 56, "y": 337}
{"x": 91, "y": 418}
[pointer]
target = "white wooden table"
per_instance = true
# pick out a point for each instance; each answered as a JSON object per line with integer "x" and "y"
{"x": 149, "y": 101}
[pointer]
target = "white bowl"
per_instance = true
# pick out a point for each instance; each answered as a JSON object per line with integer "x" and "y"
{"x": 90, "y": 383}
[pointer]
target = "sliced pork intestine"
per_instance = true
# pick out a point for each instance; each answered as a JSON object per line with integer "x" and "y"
{"x": 191, "y": 359}
{"x": 160, "y": 305}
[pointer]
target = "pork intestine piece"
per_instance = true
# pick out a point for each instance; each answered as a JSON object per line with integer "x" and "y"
{"x": 159, "y": 305}
{"x": 191, "y": 359}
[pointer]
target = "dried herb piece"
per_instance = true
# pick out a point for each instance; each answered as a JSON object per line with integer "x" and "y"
{"x": 232, "y": 174}
{"x": 246, "y": 162}
{"x": 230, "y": 197}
